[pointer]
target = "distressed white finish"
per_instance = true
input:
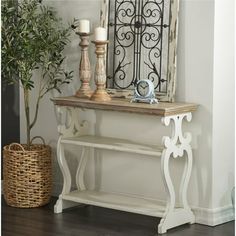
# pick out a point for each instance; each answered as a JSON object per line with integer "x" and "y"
{"x": 172, "y": 55}
{"x": 70, "y": 127}
{"x": 104, "y": 13}
{"x": 190, "y": 79}
{"x": 104, "y": 22}
{"x": 169, "y": 95}
{"x": 75, "y": 134}
{"x": 114, "y": 144}
{"x": 118, "y": 201}
{"x": 175, "y": 146}
{"x": 80, "y": 171}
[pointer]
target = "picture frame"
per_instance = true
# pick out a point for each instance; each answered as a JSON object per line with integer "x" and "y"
{"x": 168, "y": 75}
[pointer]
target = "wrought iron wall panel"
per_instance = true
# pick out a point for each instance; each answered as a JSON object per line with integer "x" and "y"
{"x": 139, "y": 43}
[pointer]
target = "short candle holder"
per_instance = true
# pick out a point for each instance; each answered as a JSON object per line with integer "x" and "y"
{"x": 84, "y": 68}
{"x": 100, "y": 93}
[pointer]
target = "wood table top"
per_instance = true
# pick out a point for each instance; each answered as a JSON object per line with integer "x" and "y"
{"x": 124, "y": 105}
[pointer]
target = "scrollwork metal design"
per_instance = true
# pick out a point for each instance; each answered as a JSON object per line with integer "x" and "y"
{"x": 137, "y": 28}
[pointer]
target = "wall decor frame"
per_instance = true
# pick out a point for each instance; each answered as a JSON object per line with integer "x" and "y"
{"x": 142, "y": 45}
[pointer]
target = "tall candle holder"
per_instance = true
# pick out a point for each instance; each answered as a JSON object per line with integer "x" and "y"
{"x": 100, "y": 93}
{"x": 84, "y": 68}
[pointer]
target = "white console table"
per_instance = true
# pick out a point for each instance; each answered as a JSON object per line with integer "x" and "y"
{"x": 173, "y": 146}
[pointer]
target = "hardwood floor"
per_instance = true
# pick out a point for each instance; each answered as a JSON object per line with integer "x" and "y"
{"x": 93, "y": 221}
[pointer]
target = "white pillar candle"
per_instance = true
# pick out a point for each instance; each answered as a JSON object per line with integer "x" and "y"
{"x": 84, "y": 26}
{"x": 100, "y": 34}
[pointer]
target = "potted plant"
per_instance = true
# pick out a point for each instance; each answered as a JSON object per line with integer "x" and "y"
{"x": 33, "y": 40}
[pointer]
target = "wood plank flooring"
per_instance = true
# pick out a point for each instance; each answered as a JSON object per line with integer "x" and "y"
{"x": 93, "y": 221}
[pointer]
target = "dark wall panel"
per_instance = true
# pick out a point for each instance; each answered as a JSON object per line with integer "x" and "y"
{"x": 10, "y": 115}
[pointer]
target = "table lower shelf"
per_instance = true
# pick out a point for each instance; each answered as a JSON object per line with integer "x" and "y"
{"x": 120, "y": 202}
{"x": 128, "y": 203}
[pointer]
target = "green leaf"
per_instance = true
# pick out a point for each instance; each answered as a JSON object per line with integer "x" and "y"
{"x": 33, "y": 38}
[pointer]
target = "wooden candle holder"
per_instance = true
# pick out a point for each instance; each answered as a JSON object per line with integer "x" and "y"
{"x": 100, "y": 93}
{"x": 84, "y": 68}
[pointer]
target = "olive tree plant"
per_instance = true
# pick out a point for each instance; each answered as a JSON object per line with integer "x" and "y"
{"x": 33, "y": 40}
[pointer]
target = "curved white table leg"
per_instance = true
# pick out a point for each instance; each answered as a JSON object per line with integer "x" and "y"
{"x": 64, "y": 167}
{"x": 184, "y": 184}
{"x": 81, "y": 168}
{"x": 73, "y": 128}
{"x": 165, "y": 160}
{"x": 62, "y": 204}
{"x": 176, "y": 146}
{"x": 185, "y": 141}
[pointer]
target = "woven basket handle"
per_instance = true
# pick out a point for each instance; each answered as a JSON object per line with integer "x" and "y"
{"x": 16, "y": 144}
{"x": 38, "y": 137}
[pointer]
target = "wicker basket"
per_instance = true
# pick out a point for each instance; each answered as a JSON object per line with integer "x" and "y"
{"x": 27, "y": 175}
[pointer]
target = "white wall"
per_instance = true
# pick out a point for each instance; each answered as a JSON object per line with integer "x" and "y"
{"x": 223, "y": 103}
{"x": 197, "y": 81}
{"x": 194, "y": 84}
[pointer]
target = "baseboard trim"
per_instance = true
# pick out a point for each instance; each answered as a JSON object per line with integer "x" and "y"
{"x": 213, "y": 217}
{"x": 205, "y": 216}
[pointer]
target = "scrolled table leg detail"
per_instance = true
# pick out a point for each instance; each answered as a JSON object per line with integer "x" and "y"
{"x": 176, "y": 146}
{"x": 67, "y": 127}
{"x": 81, "y": 169}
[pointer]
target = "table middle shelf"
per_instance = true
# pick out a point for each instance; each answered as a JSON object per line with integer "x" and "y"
{"x": 114, "y": 144}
